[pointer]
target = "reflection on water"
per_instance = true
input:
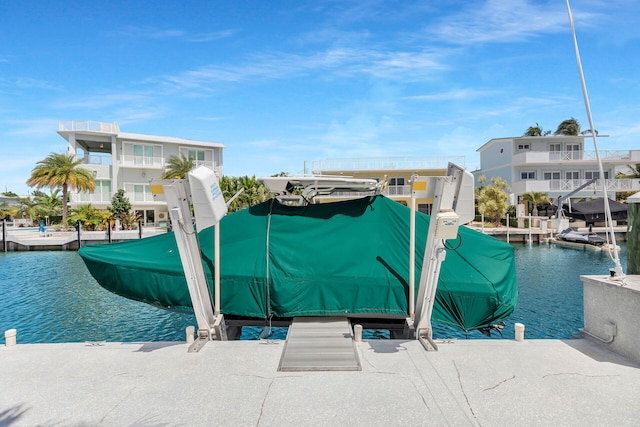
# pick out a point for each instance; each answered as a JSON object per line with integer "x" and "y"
{"x": 50, "y": 297}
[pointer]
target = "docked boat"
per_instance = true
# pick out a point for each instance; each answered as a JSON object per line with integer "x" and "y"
{"x": 581, "y": 239}
{"x": 572, "y": 234}
{"x": 346, "y": 258}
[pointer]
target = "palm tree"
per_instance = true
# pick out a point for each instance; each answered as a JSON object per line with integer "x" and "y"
{"x": 61, "y": 171}
{"x": 568, "y": 127}
{"x": 254, "y": 191}
{"x": 533, "y": 130}
{"x": 47, "y": 205}
{"x": 178, "y": 167}
{"x": 535, "y": 198}
{"x": 7, "y": 211}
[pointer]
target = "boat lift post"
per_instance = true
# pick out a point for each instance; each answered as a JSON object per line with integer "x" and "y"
{"x": 202, "y": 189}
{"x": 453, "y": 204}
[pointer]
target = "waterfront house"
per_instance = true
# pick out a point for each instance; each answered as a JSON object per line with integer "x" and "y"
{"x": 557, "y": 165}
{"x": 119, "y": 160}
{"x": 395, "y": 171}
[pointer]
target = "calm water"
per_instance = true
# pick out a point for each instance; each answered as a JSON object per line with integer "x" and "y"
{"x": 51, "y": 297}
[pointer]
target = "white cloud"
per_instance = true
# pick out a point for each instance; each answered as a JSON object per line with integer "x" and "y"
{"x": 505, "y": 21}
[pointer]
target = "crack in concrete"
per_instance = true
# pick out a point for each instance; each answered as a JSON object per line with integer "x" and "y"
{"x": 116, "y": 405}
{"x": 500, "y": 383}
{"x": 264, "y": 401}
{"x": 464, "y": 393}
{"x": 578, "y": 374}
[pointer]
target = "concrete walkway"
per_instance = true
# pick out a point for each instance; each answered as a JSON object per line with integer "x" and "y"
{"x": 467, "y": 383}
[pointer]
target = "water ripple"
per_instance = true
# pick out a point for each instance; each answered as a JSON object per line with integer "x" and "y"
{"x": 50, "y": 297}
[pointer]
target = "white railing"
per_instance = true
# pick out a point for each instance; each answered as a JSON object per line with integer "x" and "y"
{"x": 97, "y": 159}
{"x": 398, "y": 190}
{"x": 91, "y": 197}
{"x": 568, "y": 156}
{"x": 567, "y": 185}
{"x": 142, "y": 161}
{"x": 88, "y": 126}
{"x": 204, "y": 163}
{"x": 382, "y": 163}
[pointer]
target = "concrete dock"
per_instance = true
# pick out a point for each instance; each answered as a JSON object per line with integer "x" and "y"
{"x": 466, "y": 383}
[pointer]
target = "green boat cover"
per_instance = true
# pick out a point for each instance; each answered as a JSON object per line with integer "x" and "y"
{"x": 343, "y": 258}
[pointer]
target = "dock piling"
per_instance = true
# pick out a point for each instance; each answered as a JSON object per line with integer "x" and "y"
{"x": 10, "y": 337}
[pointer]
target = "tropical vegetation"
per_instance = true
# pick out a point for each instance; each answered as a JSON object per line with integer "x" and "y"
{"x": 253, "y": 191}
{"x": 568, "y": 127}
{"x": 534, "y": 198}
{"x": 536, "y": 131}
{"x": 61, "y": 171}
{"x": 493, "y": 199}
{"x": 120, "y": 210}
{"x": 178, "y": 167}
{"x": 7, "y": 211}
{"x": 632, "y": 172}
{"x": 90, "y": 219}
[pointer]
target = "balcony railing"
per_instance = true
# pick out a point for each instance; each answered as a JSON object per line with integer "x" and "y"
{"x": 97, "y": 159}
{"x": 142, "y": 161}
{"x": 398, "y": 190}
{"x": 531, "y": 157}
{"x": 91, "y": 197}
{"x": 88, "y": 126}
{"x": 568, "y": 185}
{"x": 589, "y": 155}
{"x": 382, "y": 163}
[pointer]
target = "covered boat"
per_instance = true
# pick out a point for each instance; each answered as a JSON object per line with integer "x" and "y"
{"x": 346, "y": 258}
{"x": 594, "y": 210}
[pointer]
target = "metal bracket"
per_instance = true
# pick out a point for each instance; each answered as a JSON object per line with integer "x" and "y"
{"x": 424, "y": 336}
{"x": 217, "y": 332}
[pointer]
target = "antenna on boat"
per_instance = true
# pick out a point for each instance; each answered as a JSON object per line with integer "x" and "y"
{"x": 617, "y": 270}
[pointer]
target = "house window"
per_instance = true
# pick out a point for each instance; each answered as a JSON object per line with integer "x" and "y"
{"x": 555, "y": 147}
{"x": 595, "y": 175}
{"x": 200, "y": 157}
{"x": 574, "y": 151}
{"x": 524, "y": 147}
{"x": 397, "y": 186}
{"x": 425, "y": 208}
{"x": 197, "y": 155}
{"x": 141, "y": 192}
{"x": 102, "y": 192}
{"x": 525, "y": 175}
{"x": 144, "y": 155}
{"x": 572, "y": 175}
{"x": 551, "y": 175}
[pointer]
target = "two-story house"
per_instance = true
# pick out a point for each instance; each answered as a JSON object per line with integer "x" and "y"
{"x": 396, "y": 171}
{"x": 119, "y": 160}
{"x": 557, "y": 165}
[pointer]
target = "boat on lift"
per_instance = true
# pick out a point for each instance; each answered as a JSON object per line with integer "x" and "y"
{"x": 589, "y": 239}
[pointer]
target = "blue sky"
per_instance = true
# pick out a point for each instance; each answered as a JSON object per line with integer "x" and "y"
{"x": 281, "y": 82}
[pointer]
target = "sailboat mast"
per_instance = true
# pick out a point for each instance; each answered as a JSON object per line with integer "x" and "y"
{"x": 614, "y": 252}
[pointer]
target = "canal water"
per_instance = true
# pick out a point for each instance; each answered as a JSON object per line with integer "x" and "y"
{"x": 50, "y": 297}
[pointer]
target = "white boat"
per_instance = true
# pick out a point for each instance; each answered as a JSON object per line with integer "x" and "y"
{"x": 587, "y": 240}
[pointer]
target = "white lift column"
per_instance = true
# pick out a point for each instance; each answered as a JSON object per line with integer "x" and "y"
{"x": 204, "y": 189}
{"x": 451, "y": 193}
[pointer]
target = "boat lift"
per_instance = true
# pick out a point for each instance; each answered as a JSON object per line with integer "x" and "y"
{"x": 453, "y": 197}
{"x": 202, "y": 190}
{"x": 453, "y": 204}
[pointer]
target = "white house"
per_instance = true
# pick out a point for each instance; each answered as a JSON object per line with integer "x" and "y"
{"x": 129, "y": 161}
{"x": 557, "y": 165}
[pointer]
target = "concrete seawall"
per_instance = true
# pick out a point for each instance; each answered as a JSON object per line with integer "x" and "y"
{"x": 33, "y": 240}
